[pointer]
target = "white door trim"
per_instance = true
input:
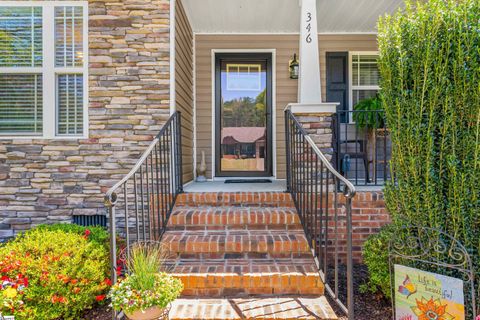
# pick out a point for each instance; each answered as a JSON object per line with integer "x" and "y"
{"x": 274, "y": 103}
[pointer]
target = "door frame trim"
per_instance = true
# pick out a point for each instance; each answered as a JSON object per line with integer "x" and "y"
{"x": 273, "y": 109}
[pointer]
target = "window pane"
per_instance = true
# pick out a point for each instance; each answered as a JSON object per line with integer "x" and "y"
{"x": 359, "y": 95}
{"x": 70, "y": 104}
{"x": 21, "y": 103}
{"x": 20, "y": 36}
{"x": 68, "y": 36}
{"x": 365, "y": 70}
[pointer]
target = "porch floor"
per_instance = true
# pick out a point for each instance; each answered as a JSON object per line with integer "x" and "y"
{"x": 221, "y": 186}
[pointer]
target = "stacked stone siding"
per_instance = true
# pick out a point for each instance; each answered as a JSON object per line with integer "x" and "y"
{"x": 319, "y": 128}
{"x": 46, "y": 181}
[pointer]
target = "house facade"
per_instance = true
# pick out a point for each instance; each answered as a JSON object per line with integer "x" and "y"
{"x": 86, "y": 85}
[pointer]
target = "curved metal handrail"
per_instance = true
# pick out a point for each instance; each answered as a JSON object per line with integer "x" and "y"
{"x": 349, "y": 190}
{"x": 110, "y": 198}
{"x": 310, "y": 176}
{"x": 110, "y": 195}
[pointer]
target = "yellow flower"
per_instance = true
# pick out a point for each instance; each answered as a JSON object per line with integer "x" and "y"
{"x": 431, "y": 310}
{"x": 10, "y": 293}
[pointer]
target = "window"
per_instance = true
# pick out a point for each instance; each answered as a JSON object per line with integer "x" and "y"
{"x": 364, "y": 76}
{"x": 43, "y": 69}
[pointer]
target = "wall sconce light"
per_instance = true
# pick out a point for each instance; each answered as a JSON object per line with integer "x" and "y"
{"x": 294, "y": 67}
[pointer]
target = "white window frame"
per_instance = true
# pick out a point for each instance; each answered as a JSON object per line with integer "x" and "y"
{"x": 49, "y": 71}
{"x": 351, "y": 87}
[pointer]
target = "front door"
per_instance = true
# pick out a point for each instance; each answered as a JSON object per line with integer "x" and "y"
{"x": 243, "y": 102}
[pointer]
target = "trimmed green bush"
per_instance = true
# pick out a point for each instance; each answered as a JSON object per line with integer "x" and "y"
{"x": 430, "y": 73}
{"x": 375, "y": 256}
{"x": 53, "y": 272}
{"x": 95, "y": 233}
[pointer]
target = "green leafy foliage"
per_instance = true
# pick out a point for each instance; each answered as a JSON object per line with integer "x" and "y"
{"x": 375, "y": 256}
{"x": 95, "y": 233}
{"x": 430, "y": 73}
{"x": 50, "y": 273}
{"x": 369, "y": 116}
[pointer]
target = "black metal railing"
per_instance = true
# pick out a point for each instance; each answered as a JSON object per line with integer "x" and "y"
{"x": 362, "y": 146}
{"x": 325, "y": 213}
{"x": 140, "y": 204}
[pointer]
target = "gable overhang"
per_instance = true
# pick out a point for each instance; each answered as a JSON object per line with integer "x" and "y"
{"x": 283, "y": 16}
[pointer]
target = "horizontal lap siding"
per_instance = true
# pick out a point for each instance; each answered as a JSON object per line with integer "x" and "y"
{"x": 184, "y": 86}
{"x": 286, "y": 89}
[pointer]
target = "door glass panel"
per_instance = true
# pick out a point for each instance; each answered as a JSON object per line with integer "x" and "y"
{"x": 243, "y": 123}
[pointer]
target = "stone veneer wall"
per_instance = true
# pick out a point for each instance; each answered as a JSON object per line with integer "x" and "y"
{"x": 46, "y": 181}
{"x": 319, "y": 128}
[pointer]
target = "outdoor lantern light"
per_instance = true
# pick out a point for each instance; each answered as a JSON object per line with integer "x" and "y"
{"x": 294, "y": 67}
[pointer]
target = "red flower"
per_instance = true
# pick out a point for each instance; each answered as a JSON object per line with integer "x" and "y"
{"x": 87, "y": 233}
{"x": 76, "y": 290}
{"x": 108, "y": 282}
{"x": 73, "y": 281}
{"x": 100, "y": 297}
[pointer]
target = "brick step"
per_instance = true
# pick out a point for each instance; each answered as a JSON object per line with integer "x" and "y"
{"x": 235, "y": 199}
{"x": 235, "y": 241}
{"x": 237, "y": 277}
{"x": 265, "y": 308}
{"x": 217, "y": 218}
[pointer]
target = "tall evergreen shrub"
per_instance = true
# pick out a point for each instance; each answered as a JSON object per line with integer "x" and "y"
{"x": 430, "y": 79}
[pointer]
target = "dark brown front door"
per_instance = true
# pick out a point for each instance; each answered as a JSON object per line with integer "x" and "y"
{"x": 243, "y": 132}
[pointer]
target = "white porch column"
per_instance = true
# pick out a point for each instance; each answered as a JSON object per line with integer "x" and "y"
{"x": 309, "y": 87}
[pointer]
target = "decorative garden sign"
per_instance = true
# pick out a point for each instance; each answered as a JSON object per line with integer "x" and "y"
{"x": 427, "y": 296}
{"x": 432, "y": 276}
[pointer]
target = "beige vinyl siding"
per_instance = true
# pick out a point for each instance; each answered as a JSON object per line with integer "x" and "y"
{"x": 184, "y": 86}
{"x": 286, "y": 89}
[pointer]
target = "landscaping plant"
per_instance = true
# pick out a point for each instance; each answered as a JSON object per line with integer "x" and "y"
{"x": 147, "y": 289}
{"x": 51, "y": 273}
{"x": 369, "y": 115}
{"x": 430, "y": 88}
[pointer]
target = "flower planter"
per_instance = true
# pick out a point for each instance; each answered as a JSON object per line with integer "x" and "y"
{"x": 153, "y": 313}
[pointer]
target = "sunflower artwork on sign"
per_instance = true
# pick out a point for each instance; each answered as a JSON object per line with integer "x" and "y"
{"x": 423, "y": 295}
{"x": 431, "y": 310}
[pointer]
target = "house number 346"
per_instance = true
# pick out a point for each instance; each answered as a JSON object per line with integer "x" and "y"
{"x": 309, "y": 27}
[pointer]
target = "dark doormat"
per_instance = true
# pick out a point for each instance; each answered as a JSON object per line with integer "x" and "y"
{"x": 248, "y": 181}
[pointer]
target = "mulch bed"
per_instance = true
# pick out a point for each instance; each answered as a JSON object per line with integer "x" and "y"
{"x": 98, "y": 313}
{"x": 367, "y": 306}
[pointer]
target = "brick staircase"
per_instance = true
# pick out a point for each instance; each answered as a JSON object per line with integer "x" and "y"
{"x": 242, "y": 256}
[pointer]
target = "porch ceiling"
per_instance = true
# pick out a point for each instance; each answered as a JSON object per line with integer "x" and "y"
{"x": 283, "y": 16}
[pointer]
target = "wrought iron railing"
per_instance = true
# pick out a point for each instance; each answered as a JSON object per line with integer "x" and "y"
{"x": 325, "y": 213}
{"x": 362, "y": 146}
{"x": 140, "y": 204}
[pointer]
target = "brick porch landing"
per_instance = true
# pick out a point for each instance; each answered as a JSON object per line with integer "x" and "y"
{"x": 242, "y": 256}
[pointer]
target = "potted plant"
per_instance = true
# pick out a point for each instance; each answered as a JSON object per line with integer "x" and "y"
{"x": 369, "y": 117}
{"x": 147, "y": 291}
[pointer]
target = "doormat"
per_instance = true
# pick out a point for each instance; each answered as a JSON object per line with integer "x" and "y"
{"x": 248, "y": 181}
